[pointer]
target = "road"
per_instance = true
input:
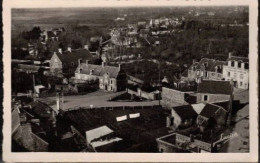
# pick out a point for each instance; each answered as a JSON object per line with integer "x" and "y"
{"x": 97, "y": 99}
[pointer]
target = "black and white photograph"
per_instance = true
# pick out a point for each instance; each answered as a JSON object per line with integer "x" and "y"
{"x": 131, "y": 79}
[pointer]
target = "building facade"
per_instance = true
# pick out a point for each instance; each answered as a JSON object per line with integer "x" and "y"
{"x": 237, "y": 70}
{"x": 110, "y": 78}
{"x": 210, "y": 69}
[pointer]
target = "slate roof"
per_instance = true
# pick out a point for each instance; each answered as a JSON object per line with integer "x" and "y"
{"x": 98, "y": 70}
{"x": 209, "y": 110}
{"x": 209, "y": 64}
{"x": 237, "y": 58}
{"x": 74, "y": 55}
{"x": 40, "y": 109}
{"x": 215, "y": 87}
{"x": 224, "y": 104}
{"x": 185, "y": 111}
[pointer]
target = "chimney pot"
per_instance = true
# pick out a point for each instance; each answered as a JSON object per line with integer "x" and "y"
{"x": 86, "y": 47}
{"x": 69, "y": 49}
{"x": 86, "y": 62}
{"x": 60, "y": 50}
{"x": 103, "y": 64}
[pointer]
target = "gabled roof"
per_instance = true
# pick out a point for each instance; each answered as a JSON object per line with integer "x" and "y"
{"x": 208, "y": 64}
{"x": 74, "y": 55}
{"x": 185, "y": 111}
{"x": 209, "y": 110}
{"x": 98, "y": 70}
{"x": 40, "y": 109}
{"x": 215, "y": 87}
{"x": 97, "y": 133}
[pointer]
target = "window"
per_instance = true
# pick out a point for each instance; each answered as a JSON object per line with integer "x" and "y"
{"x": 111, "y": 81}
{"x": 207, "y": 75}
{"x": 205, "y": 98}
{"x": 198, "y": 72}
{"x": 239, "y": 64}
{"x": 161, "y": 150}
{"x": 228, "y": 74}
{"x": 246, "y": 66}
{"x": 241, "y": 83}
{"x": 232, "y": 64}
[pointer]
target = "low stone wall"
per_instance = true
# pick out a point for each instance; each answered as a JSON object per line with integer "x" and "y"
{"x": 171, "y": 97}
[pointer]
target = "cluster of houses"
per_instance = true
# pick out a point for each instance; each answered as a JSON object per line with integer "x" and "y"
{"x": 200, "y": 103}
{"x": 199, "y": 117}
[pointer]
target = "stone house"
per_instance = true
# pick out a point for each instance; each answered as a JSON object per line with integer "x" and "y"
{"x": 66, "y": 62}
{"x": 181, "y": 116}
{"x": 213, "y": 91}
{"x": 212, "y": 115}
{"x": 110, "y": 78}
{"x": 209, "y": 69}
{"x": 237, "y": 70}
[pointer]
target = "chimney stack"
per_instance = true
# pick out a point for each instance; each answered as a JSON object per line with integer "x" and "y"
{"x": 58, "y": 101}
{"x": 229, "y": 54}
{"x": 119, "y": 66}
{"x": 60, "y": 50}
{"x": 79, "y": 61}
{"x": 69, "y": 49}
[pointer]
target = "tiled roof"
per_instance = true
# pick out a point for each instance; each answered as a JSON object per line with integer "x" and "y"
{"x": 98, "y": 70}
{"x": 215, "y": 87}
{"x": 237, "y": 58}
{"x": 208, "y": 64}
{"x": 209, "y": 110}
{"x": 185, "y": 111}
